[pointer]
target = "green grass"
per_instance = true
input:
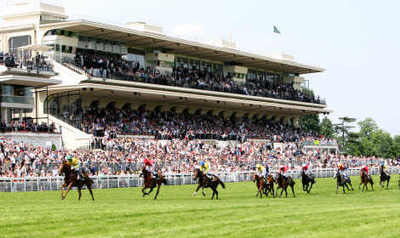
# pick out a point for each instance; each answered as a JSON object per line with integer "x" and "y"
{"x": 124, "y": 213}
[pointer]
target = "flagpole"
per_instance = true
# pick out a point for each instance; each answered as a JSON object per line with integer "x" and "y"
{"x": 278, "y": 51}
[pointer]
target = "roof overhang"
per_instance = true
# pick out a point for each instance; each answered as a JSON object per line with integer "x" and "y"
{"x": 27, "y": 81}
{"x": 139, "y": 39}
{"x": 189, "y": 99}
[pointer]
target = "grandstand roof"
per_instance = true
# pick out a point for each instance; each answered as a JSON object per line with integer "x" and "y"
{"x": 176, "y": 96}
{"x": 142, "y": 39}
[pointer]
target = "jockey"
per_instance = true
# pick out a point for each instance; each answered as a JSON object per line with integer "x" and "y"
{"x": 365, "y": 169}
{"x": 74, "y": 163}
{"x": 306, "y": 170}
{"x": 261, "y": 171}
{"x": 204, "y": 167}
{"x": 148, "y": 166}
{"x": 283, "y": 170}
{"x": 266, "y": 170}
{"x": 342, "y": 170}
{"x": 383, "y": 168}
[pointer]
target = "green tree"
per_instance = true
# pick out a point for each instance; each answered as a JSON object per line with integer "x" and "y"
{"x": 343, "y": 129}
{"x": 367, "y": 127}
{"x": 326, "y": 128}
{"x": 310, "y": 123}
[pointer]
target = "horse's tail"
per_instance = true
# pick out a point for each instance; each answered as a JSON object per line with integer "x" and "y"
{"x": 164, "y": 181}
{"x": 222, "y": 183}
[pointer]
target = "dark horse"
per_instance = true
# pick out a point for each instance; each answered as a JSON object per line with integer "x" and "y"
{"x": 307, "y": 181}
{"x": 151, "y": 183}
{"x": 71, "y": 180}
{"x": 365, "y": 180}
{"x": 283, "y": 183}
{"x": 264, "y": 186}
{"x": 205, "y": 182}
{"x": 343, "y": 182}
{"x": 384, "y": 177}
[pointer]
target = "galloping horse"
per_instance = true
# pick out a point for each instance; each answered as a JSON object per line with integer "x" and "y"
{"x": 307, "y": 181}
{"x": 71, "y": 180}
{"x": 264, "y": 187}
{"x": 384, "y": 177}
{"x": 283, "y": 183}
{"x": 365, "y": 179}
{"x": 270, "y": 185}
{"x": 151, "y": 183}
{"x": 343, "y": 182}
{"x": 205, "y": 182}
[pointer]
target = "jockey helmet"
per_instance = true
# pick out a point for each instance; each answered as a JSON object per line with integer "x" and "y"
{"x": 202, "y": 163}
{"x": 258, "y": 166}
{"x": 69, "y": 157}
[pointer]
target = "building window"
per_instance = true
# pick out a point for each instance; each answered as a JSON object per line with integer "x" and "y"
{"x": 18, "y": 41}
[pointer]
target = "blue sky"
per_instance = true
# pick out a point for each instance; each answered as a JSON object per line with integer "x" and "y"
{"x": 357, "y": 42}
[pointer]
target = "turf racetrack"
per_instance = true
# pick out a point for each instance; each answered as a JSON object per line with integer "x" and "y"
{"x": 124, "y": 213}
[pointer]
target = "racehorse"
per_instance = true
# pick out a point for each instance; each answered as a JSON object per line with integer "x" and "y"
{"x": 264, "y": 186}
{"x": 384, "y": 177}
{"x": 365, "y": 179}
{"x": 307, "y": 181}
{"x": 343, "y": 182}
{"x": 71, "y": 180}
{"x": 270, "y": 185}
{"x": 283, "y": 183}
{"x": 151, "y": 183}
{"x": 261, "y": 185}
{"x": 205, "y": 182}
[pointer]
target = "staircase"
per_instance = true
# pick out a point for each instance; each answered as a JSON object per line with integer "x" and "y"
{"x": 72, "y": 138}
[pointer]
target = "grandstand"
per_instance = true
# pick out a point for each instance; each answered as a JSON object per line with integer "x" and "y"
{"x": 84, "y": 79}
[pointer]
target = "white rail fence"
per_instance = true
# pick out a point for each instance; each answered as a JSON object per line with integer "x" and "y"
{"x": 113, "y": 181}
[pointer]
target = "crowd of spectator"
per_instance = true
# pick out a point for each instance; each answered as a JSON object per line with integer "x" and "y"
{"x": 113, "y": 66}
{"x": 168, "y": 125}
{"x": 37, "y": 63}
{"x": 26, "y": 126}
{"x": 123, "y": 156}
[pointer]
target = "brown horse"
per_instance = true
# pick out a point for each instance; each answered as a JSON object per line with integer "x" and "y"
{"x": 71, "y": 180}
{"x": 261, "y": 185}
{"x": 283, "y": 183}
{"x": 264, "y": 187}
{"x": 365, "y": 180}
{"x": 151, "y": 183}
{"x": 205, "y": 182}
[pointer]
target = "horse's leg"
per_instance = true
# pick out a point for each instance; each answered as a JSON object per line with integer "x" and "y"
{"x": 260, "y": 188}
{"x": 216, "y": 193}
{"x": 158, "y": 190}
{"x": 387, "y": 184}
{"x": 143, "y": 191}
{"x": 212, "y": 197}
{"x": 151, "y": 190}
{"x": 337, "y": 187}
{"x": 62, "y": 191}
{"x": 286, "y": 190}
{"x": 66, "y": 192}
{"x": 90, "y": 191}
{"x": 202, "y": 192}
{"x": 197, "y": 189}
{"x": 309, "y": 189}
{"x": 294, "y": 195}
{"x": 79, "y": 193}
{"x": 281, "y": 192}
{"x": 344, "y": 191}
